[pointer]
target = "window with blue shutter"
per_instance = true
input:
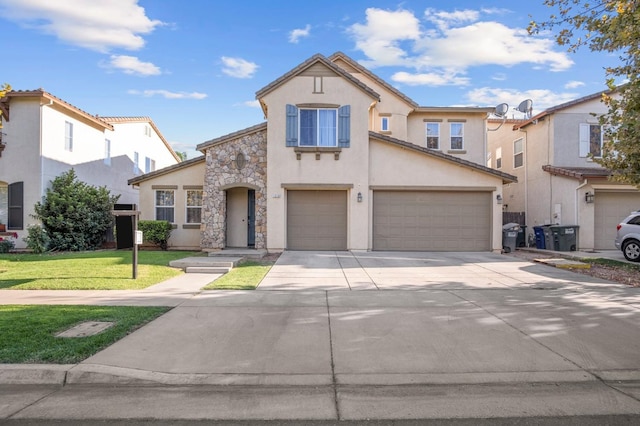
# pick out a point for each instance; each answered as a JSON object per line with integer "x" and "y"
{"x": 292, "y": 125}
{"x": 344, "y": 126}
{"x": 318, "y": 127}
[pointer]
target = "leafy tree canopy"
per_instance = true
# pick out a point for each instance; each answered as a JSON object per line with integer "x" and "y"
{"x": 608, "y": 26}
{"x": 74, "y": 214}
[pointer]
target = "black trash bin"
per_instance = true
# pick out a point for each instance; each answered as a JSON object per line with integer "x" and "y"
{"x": 521, "y": 240}
{"x": 565, "y": 237}
{"x": 509, "y": 237}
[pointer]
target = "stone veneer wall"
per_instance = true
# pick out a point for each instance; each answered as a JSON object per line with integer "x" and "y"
{"x": 223, "y": 172}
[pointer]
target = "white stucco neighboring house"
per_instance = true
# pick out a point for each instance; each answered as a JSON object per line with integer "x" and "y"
{"x": 44, "y": 136}
{"x": 343, "y": 162}
{"x": 558, "y": 181}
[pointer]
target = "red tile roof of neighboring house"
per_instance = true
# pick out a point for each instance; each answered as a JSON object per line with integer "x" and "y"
{"x": 143, "y": 119}
{"x": 578, "y": 172}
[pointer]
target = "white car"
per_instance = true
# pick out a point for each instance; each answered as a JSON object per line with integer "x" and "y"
{"x": 628, "y": 237}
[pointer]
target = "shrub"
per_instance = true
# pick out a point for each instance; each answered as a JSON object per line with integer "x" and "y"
{"x": 6, "y": 245}
{"x": 74, "y": 214}
{"x": 37, "y": 239}
{"x": 155, "y": 231}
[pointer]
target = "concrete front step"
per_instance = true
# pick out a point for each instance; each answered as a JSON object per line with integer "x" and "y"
{"x": 206, "y": 270}
{"x": 206, "y": 262}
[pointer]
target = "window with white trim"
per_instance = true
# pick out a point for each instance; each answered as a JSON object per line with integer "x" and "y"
{"x": 318, "y": 127}
{"x": 194, "y": 205}
{"x": 149, "y": 165}
{"x": 136, "y": 162}
{"x": 518, "y": 153}
{"x": 384, "y": 124}
{"x": 457, "y": 135}
{"x": 499, "y": 158}
{"x": 433, "y": 135}
{"x": 165, "y": 204}
{"x": 107, "y": 152}
{"x": 68, "y": 136}
{"x": 591, "y": 139}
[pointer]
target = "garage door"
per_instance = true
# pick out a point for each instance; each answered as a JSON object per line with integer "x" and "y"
{"x": 610, "y": 209}
{"x": 317, "y": 220}
{"x": 432, "y": 221}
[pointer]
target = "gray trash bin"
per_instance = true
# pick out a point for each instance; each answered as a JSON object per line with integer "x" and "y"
{"x": 565, "y": 237}
{"x": 548, "y": 237}
{"x": 509, "y": 237}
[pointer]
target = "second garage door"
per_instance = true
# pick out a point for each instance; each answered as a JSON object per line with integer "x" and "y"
{"x": 610, "y": 209}
{"x": 317, "y": 220}
{"x": 431, "y": 221}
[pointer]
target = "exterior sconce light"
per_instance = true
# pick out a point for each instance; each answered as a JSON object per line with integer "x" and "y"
{"x": 499, "y": 199}
{"x": 359, "y": 197}
{"x": 589, "y": 197}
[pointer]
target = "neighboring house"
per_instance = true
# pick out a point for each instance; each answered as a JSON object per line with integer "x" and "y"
{"x": 344, "y": 162}
{"x": 558, "y": 182}
{"x": 44, "y": 136}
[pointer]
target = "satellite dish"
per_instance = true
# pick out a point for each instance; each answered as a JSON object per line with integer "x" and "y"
{"x": 526, "y": 107}
{"x": 501, "y": 110}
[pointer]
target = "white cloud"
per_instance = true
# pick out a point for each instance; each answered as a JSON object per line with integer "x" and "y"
{"x": 93, "y": 24}
{"x": 133, "y": 65}
{"x": 542, "y": 98}
{"x": 450, "y": 41}
{"x": 297, "y": 34}
{"x": 573, "y": 84}
{"x": 168, "y": 94}
{"x": 380, "y": 37}
{"x": 430, "y": 79}
{"x": 252, "y": 104}
{"x": 238, "y": 67}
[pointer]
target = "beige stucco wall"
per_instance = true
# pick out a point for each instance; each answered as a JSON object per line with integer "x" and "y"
{"x": 473, "y": 138}
{"x": 284, "y": 169}
{"x": 421, "y": 171}
{"x": 183, "y": 236}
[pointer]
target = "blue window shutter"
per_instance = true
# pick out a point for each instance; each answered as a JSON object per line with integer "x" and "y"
{"x": 344, "y": 126}
{"x": 292, "y": 125}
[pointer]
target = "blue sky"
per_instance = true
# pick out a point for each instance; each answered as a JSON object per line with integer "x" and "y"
{"x": 194, "y": 66}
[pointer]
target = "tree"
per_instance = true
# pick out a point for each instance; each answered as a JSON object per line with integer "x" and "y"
{"x": 182, "y": 155}
{"x": 608, "y": 26}
{"x": 3, "y": 91}
{"x": 74, "y": 214}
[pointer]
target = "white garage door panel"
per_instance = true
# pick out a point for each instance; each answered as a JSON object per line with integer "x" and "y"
{"x": 610, "y": 209}
{"x": 431, "y": 221}
{"x": 317, "y": 220}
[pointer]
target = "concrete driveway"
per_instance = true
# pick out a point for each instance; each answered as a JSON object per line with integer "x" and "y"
{"x": 413, "y": 270}
{"x": 438, "y": 336}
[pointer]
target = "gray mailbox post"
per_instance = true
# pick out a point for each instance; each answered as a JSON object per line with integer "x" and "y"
{"x": 137, "y": 235}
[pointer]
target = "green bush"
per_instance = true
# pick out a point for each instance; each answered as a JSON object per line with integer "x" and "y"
{"x": 155, "y": 232}
{"x": 6, "y": 245}
{"x": 74, "y": 214}
{"x": 37, "y": 239}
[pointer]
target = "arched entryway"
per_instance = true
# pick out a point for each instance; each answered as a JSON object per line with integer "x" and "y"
{"x": 241, "y": 217}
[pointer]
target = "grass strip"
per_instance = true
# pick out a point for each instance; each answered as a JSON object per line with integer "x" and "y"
{"x": 27, "y": 332}
{"x": 99, "y": 270}
{"x": 245, "y": 276}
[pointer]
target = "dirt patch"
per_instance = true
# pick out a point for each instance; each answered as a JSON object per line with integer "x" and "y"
{"x": 619, "y": 274}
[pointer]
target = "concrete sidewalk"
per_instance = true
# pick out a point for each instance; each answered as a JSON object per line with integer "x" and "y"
{"x": 430, "y": 336}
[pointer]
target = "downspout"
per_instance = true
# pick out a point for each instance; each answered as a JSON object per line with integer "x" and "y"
{"x": 550, "y": 175}
{"x": 526, "y": 175}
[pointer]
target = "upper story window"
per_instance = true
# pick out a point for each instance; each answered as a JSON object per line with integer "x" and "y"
{"x": 147, "y": 131}
{"x": 433, "y": 135}
{"x": 149, "y": 165}
{"x": 194, "y": 206}
{"x": 384, "y": 124}
{"x": 165, "y": 204}
{"x": 68, "y": 136}
{"x": 499, "y": 158}
{"x": 518, "y": 153}
{"x": 591, "y": 138}
{"x": 136, "y": 162}
{"x": 457, "y": 135}
{"x": 318, "y": 127}
{"x": 107, "y": 152}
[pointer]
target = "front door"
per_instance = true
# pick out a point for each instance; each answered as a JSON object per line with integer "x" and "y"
{"x": 251, "y": 214}
{"x": 241, "y": 213}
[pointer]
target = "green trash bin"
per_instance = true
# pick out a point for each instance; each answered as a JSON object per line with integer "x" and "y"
{"x": 565, "y": 237}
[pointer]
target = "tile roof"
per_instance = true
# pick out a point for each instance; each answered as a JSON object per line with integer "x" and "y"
{"x": 138, "y": 179}
{"x": 506, "y": 178}
{"x": 231, "y": 136}
{"x": 578, "y": 172}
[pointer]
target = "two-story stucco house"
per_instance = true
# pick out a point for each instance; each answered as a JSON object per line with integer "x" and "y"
{"x": 44, "y": 136}
{"x": 552, "y": 154}
{"x": 343, "y": 162}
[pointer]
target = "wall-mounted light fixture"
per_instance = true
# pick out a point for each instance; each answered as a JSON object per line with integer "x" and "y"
{"x": 499, "y": 199}
{"x": 589, "y": 197}
{"x": 359, "y": 197}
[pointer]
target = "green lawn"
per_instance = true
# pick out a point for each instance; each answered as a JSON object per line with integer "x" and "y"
{"x": 98, "y": 270}
{"x": 27, "y": 333}
{"x": 245, "y": 276}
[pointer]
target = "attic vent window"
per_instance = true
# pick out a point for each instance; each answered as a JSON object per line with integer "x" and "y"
{"x": 240, "y": 161}
{"x": 317, "y": 84}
